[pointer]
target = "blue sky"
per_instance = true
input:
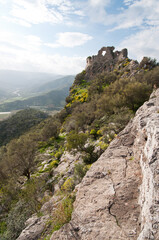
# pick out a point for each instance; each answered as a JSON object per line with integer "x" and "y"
{"x": 56, "y": 36}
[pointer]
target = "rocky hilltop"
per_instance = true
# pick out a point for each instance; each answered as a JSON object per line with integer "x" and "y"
{"x": 118, "y": 197}
{"x": 91, "y": 171}
{"x": 105, "y": 60}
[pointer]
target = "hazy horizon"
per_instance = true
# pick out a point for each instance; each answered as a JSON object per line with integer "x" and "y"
{"x": 57, "y": 36}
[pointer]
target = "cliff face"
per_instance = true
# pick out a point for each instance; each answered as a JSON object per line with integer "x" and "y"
{"x": 119, "y": 196}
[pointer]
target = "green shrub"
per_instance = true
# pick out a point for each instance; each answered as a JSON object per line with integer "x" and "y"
{"x": 80, "y": 171}
{"x": 93, "y": 132}
{"x": 50, "y": 129}
{"x": 76, "y": 141}
{"x": 63, "y": 212}
{"x": 3, "y": 228}
{"x": 80, "y": 77}
{"x": 68, "y": 185}
{"x": 58, "y": 155}
{"x": 16, "y": 219}
{"x": 52, "y": 165}
{"x": 32, "y": 191}
{"x": 103, "y": 145}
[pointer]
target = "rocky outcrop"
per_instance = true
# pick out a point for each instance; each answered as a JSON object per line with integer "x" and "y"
{"x": 107, "y": 54}
{"x": 34, "y": 228}
{"x": 105, "y": 60}
{"x": 118, "y": 199}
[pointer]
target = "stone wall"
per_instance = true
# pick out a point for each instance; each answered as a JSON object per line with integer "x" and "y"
{"x": 106, "y": 54}
{"x": 104, "y": 61}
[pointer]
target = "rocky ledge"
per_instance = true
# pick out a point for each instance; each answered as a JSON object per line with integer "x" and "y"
{"x": 119, "y": 196}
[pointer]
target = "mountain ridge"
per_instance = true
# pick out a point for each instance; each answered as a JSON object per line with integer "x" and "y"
{"x": 50, "y": 94}
{"x": 47, "y": 165}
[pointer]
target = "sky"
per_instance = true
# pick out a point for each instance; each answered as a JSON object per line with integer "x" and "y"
{"x": 56, "y": 36}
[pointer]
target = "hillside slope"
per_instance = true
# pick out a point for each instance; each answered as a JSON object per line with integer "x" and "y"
{"x": 19, "y": 123}
{"x": 118, "y": 197}
{"x": 40, "y": 172}
{"x": 11, "y": 80}
{"x": 56, "y": 84}
{"x": 53, "y": 100}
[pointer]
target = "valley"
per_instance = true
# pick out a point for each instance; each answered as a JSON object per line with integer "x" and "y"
{"x": 4, "y": 115}
{"x": 47, "y": 96}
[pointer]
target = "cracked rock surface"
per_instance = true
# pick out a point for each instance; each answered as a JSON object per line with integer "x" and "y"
{"x": 34, "y": 228}
{"x": 118, "y": 199}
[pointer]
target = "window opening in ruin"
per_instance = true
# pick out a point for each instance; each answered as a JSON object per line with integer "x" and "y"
{"x": 103, "y": 53}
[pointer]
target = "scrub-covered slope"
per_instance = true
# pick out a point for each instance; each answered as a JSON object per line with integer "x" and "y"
{"x": 118, "y": 197}
{"x": 40, "y": 172}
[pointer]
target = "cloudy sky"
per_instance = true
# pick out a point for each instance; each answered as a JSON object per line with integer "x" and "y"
{"x": 56, "y": 36}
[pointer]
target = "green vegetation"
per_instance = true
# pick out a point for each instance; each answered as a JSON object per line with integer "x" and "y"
{"x": 19, "y": 123}
{"x": 26, "y": 203}
{"x": 80, "y": 171}
{"x": 76, "y": 141}
{"x": 96, "y": 111}
{"x": 4, "y": 116}
{"x": 63, "y": 212}
{"x": 53, "y": 100}
{"x": 56, "y": 84}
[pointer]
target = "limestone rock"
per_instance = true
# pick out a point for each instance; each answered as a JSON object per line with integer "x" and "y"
{"x": 35, "y": 226}
{"x": 118, "y": 199}
{"x": 66, "y": 164}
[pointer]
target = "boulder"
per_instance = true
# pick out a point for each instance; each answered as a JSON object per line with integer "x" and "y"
{"x": 34, "y": 228}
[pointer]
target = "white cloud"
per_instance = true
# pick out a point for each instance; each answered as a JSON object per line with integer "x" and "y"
{"x": 35, "y": 12}
{"x": 52, "y": 45}
{"x": 96, "y": 10}
{"x": 33, "y": 40}
{"x": 2, "y": 1}
{"x": 98, "y": 3}
{"x": 17, "y": 21}
{"x": 29, "y": 12}
{"x": 128, "y": 2}
{"x": 70, "y": 39}
{"x": 133, "y": 13}
{"x": 143, "y": 43}
{"x": 79, "y": 13}
{"x": 28, "y": 42}
{"x": 39, "y": 62}
{"x": 138, "y": 14}
{"x": 26, "y": 54}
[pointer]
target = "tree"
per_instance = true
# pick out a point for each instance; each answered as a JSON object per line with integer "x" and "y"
{"x": 135, "y": 94}
{"x": 21, "y": 156}
{"x": 50, "y": 129}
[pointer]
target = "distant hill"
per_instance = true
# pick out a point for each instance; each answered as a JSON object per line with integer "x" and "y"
{"x": 3, "y": 94}
{"x": 19, "y": 123}
{"x": 56, "y": 84}
{"x": 11, "y": 80}
{"x": 52, "y": 100}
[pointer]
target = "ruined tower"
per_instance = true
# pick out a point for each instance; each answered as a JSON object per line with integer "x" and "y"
{"x": 106, "y": 55}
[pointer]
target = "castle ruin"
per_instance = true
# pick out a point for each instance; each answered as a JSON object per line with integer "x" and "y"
{"x": 107, "y": 54}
